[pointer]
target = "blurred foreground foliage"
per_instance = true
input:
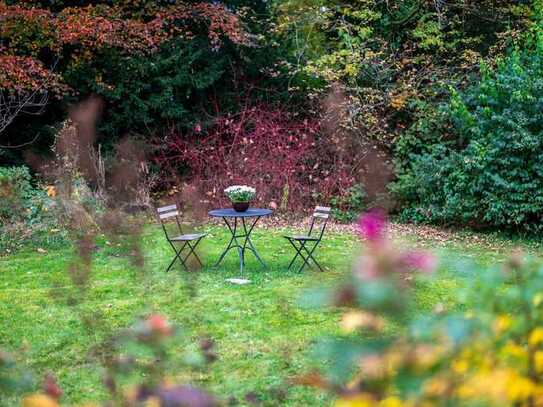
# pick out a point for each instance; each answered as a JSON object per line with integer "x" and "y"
{"x": 487, "y": 350}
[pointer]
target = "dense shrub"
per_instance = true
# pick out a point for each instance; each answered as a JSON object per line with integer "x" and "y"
{"x": 347, "y": 207}
{"x": 283, "y": 157}
{"x": 389, "y": 56}
{"x": 147, "y": 92}
{"x": 158, "y": 64}
{"x": 490, "y": 174}
{"x": 166, "y": 67}
{"x": 15, "y": 188}
{"x": 152, "y": 62}
{"x": 27, "y": 213}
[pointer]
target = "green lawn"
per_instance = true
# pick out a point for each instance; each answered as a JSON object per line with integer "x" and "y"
{"x": 263, "y": 335}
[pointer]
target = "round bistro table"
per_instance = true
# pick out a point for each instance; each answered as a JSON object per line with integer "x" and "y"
{"x": 240, "y": 231}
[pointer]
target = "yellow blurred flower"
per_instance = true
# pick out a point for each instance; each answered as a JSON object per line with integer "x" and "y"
{"x": 460, "y": 366}
{"x": 360, "y": 400}
{"x": 538, "y": 299}
{"x": 39, "y": 400}
{"x": 351, "y": 70}
{"x": 498, "y": 385}
{"x": 519, "y": 388}
{"x": 168, "y": 383}
{"x": 131, "y": 394}
{"x": 354, "y": 320}
{"x": 538, "y": 361}
{"x": 391, "y": 402}
{"x": 536, "y": 337}
{"x": 436, "y": 386}
{"x": 398, "y": 101}
{"x": 51, "y": 191}
{"x": 485, "y": 386}
{"x": 152, "y": 402}
{"x": 394, "y": 358}
{"x": 514, "y": 350}
{"x": 502, "y": 323}
{"x": 425, "y": 356}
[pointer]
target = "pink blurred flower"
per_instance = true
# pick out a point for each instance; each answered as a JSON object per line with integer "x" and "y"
{"x": 186, "y": 396}
{"x": 372, "y": 225}
{"x": 421, "y": 261}
{"x": 158, "y": 324}
{"x": 197, "y": 128}
{"x": 51, "y": 387}
{"x": 366, "y": 268}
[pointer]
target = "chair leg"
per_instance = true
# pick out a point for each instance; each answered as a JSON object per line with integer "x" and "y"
{"x": 193, "y": 251}
{"x": 177, "y": 256}
{"x": 184, "y": 260}
{"x": 299, "y": 253}
{"x": 310, "y": 255}
{"x": 171, "y": 264}
{"x": 295, "y": 256}
{"x": 306, "y": 260}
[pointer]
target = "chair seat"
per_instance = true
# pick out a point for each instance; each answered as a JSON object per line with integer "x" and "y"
{"x": 188, "y": 237}
{"x": 302, "y": 237}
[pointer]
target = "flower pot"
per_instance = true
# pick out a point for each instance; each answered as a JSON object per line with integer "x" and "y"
{"x": 240, "y": 206}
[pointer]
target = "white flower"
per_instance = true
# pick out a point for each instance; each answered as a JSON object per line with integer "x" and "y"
{"x": 240, "y": 193}
{"x": 240, "y": 188}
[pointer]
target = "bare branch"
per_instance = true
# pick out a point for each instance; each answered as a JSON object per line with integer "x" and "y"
{"x": 15, "y": 103}
{"x": 22, "y": 144}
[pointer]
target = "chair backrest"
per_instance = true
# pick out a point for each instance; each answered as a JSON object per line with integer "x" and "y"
{"x": 321, "y": 214}
{"x": 165, "y": 214}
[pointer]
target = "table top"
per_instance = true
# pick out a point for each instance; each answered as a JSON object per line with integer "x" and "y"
{"x": 230, "y": 213}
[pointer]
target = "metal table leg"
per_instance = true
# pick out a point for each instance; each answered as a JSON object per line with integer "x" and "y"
{"x": 234, "y": 243}
{"x": 248, "y": 244}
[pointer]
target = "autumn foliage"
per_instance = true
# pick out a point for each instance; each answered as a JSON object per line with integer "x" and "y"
{"x": 283, "y": 157}
{"x": 26, "y": 74}
{"x": 35, "y": 37}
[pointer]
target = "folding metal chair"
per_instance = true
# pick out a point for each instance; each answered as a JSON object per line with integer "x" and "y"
{"x": 305, "y": 245}
{"x": 187, "y": 241}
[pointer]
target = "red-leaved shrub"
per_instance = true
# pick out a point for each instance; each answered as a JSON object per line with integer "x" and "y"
{"x": 285, "y": 159}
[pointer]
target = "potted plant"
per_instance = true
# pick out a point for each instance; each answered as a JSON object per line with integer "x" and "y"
{"x": 240, "y": 196}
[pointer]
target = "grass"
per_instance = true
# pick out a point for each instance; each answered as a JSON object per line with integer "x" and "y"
{"x": 263, "y": 336}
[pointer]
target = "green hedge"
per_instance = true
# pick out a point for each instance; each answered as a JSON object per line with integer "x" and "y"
{"x": 490, "y": 174}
